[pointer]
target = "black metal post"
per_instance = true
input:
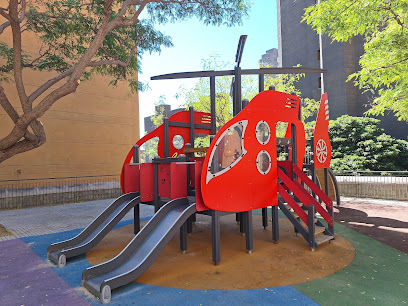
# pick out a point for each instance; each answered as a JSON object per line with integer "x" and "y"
{"x": 189, "y": 225}
{"x": 212, "y": 102}
{"x": 136, "y": 219}
{"x": 216, "y": 236}
{"x": 311, "y": 227}
{"x": 275, "y": 224}
{"x": 241, "y": 223}
{"x": 293, "y": 142}
{"x": 249, "y": 239}
{"x": 244, "y": 103}
{"x": 265, "y": 217}
{"x": 136, "y": 158}
{"x": 183, "y": 237}
{"x": 166, "y": 137}
{"x": 191, "y": 121}
{"x": 237, "y": 91}
{"x": 261, "y": 80}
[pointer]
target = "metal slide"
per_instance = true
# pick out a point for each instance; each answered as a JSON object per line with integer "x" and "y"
{"x": 58, "y": 253}
{"x": 140, "y": 253}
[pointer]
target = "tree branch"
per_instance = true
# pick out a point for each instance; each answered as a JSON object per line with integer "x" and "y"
{"x": 390, "y": 65}
{"x": 20, "y": 147}
{"x": 5, "y": 103}
{"x": 17, "y": 61}
{"x": 47, "y": 85}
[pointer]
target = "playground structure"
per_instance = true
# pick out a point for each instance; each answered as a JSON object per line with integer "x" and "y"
{"x": 239, "y": 173}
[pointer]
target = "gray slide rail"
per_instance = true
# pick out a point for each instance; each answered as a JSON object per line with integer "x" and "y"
{"x": 57, "y": 253}
{"x": 140, "y": 253}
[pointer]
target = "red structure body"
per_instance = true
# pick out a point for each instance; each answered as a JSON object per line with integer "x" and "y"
{"x": 241, "y": 186}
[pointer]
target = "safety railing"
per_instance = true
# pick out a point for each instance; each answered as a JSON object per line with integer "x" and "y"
{"x": 391, "y": 185}
{"x": 50, "y": 191}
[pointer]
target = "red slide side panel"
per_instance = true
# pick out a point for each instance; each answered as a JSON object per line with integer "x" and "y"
{"x": 199, "y": 198}
{"x": 178, "y": 180}
{"x": 164, "y": 181}
{"x": 132, "y": 178}
{"x": 146, "y": 182}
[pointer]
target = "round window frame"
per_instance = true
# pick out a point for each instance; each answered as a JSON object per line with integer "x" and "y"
{"x": 257, "y": 163}
{"x": 172, "y": 142}
{"x": 269, "y": 132}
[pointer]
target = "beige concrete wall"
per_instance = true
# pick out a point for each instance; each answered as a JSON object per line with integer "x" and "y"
{"x": 374, "y": 190}
{"x": 88, "y": 132}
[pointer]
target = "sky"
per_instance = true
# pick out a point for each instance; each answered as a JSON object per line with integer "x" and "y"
{"x": 193, "y": 42}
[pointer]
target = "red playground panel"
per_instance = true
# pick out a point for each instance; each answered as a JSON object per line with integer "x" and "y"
{"x": 240, "y": 169}
{"x": 178, "y": 180}
{"x": 200, "y": 118}
{"x": 146, "y": 182}
{"x": 132, "y": 178}
{"x": 322, "y": 151}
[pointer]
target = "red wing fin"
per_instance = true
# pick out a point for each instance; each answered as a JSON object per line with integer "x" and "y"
{"x": 322, "y": 146}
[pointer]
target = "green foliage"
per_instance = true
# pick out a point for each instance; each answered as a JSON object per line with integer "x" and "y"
{"x": 384, "y": 64}
{"x": 66, "y": 29}
{"x": 199, "y": 96}
{"x": 358, "y": 143}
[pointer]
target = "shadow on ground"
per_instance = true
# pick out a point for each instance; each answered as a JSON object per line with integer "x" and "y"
{"x": 387, "y": 224}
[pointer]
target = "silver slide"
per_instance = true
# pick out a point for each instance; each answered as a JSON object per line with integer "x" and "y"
{"x": 58, "y": 253}
{"x": 140, "y": 253}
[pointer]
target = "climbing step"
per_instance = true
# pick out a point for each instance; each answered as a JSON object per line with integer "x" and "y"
{"x": 322, "y": 238}
{"x": 319, "y": 229}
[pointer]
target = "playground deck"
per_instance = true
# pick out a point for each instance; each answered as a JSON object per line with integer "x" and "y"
{"x": 376, "y": 275}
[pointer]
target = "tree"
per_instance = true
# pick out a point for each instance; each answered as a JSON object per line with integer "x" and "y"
{"x": 384, "y": 64}
{"x": 358, "y": 143}
{"x": 82, "y": 38}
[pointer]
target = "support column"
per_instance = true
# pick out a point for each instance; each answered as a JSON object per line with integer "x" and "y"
{"x": 265, "y": 217}
{"x": 249, "y": 240}
{"x": 183, "y": 238}
{"x": 311, "y": 227}
{"x": 136, "y": 219}
{"x": 275, "y": 224}
{"x": 216, "y": 237}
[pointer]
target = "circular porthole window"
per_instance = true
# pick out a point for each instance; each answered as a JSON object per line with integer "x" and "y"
{"x": 263, "y": 162}
{"x": 263, "y": 133}
{"x": 178, "y": 142}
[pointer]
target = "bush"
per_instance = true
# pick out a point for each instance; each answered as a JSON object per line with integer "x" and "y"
{"x": 358, "y": 143}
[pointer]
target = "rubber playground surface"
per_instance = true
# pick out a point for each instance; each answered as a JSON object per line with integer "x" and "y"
{"x": 355, "y": 269}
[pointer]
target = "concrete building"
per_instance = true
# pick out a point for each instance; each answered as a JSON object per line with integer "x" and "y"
{"x": 299, "y": 44}
{"x": 270, "y": 58}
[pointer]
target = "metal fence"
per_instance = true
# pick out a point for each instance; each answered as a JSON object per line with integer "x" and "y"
{"x": 391, "y": 185}
{"x": 50, "y": 191}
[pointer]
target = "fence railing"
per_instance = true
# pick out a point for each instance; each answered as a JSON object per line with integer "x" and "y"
{"x": 49, "y": 191}
{"x": 391, "y": 185}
